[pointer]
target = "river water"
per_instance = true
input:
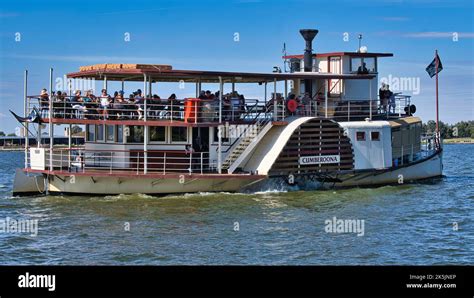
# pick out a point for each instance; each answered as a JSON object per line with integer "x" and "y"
{"x": 428, "y": 223}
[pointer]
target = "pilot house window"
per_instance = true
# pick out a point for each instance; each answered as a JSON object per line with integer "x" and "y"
{"x": 375, "y": 136}
{"x": 360, "y": 136}
{"x": 363, "y": 65}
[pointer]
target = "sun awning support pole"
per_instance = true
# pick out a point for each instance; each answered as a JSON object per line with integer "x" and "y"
{"x": 275, "y": 101}
{"x": 219, "y": 128}
{"x": 265, "y": 94}
{"x": 26, "y": 134}
{"x": 123, "y": 85}
{"x": 326, "y": 87}
{"x": 51, "y": 126}
{"x": 370, "y": 99}
{"x": 150, "y": 92}
{"x": 69, "y": 145}
{"x": 145, "y": 127}
{"x": 284, "y": 97}
{"x": 105, "y": 82}
{"x": 233, "y": 86}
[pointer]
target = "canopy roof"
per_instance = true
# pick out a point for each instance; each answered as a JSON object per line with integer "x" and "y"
{"x": 165, "y": 73}
{"x": 336, "y": 54}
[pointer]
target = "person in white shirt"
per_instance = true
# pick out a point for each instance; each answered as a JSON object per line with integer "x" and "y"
{"x": 104, "y": 103}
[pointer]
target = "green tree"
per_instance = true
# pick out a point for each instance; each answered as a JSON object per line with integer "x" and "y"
{"x": 76, "y": 129}
{"x": 2, "y": 134}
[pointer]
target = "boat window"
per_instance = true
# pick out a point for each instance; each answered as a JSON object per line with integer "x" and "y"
{"x": 370, "y": 64}
{"x": 158, "y": 134}
{"x": 119, "y": 134}
{"x": 91, "y": 133}
{"x": 110, "y": 133}
{"x": 225, "y": 133}
{"x": 136, "y": 134}
{"x": 360, "y": 136}
{"x": 100, "y": 132}
{"x": 375, "y": 136}
{"x": 179, "y": 134}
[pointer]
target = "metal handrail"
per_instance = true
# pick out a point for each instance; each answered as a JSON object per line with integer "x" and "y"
{"x": 131, "y": 161}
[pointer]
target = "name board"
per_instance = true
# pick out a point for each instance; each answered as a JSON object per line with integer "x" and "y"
{"x": 317, "y": 160}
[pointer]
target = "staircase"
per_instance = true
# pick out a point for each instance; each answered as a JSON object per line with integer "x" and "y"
{"x": 260, "y": 127}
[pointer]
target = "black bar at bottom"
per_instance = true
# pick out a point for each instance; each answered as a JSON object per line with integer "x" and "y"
{"x": 290, "y": 281}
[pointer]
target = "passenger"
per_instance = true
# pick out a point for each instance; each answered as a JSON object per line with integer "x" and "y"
{"x": 242, "y": 105}
{"x": 91, "y": 104}
{"x": 105, "y": 101}
{"x": 291, "y": 97}
{"x": 59, "y": 106}
{"x": 227, "y": 107}
{"x": 202, "y": 95}
{"x": 362, "y": 69}
{"x": 44, "y": 101}
{"x": 139, "y": 102}
{"x": 154, "y": 106}
{"x": 306, "y": 101}
{"x": 209, "y": 95}
{"x": 384, "y": 96}
{"x": 78, "y": 105}
{"x": 112, "y": 100}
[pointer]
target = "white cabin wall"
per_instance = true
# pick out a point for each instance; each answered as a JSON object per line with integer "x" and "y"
{"x": 370, "y": 154}
{"x": 359, "y": 89}
{"x": 322, "y": 64}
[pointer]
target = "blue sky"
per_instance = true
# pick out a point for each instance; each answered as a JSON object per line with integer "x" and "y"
{"x": 200, "y": 35}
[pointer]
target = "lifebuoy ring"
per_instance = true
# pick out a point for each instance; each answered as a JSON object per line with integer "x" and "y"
{"x": 292, "y": 105}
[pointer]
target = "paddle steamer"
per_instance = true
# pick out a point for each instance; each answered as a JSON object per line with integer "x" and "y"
{"x": 321, "y": 124}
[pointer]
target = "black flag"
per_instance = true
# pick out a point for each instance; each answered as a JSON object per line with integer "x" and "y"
{"x": 33, "y": 117}
{"x": 431, "y": 69}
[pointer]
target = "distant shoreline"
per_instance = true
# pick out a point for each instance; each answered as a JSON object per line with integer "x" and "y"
{"x": 459, "y": 141}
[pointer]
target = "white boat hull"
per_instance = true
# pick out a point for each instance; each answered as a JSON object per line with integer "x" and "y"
{"x": 429, "y": 168}
{"x": 105, "y": 185}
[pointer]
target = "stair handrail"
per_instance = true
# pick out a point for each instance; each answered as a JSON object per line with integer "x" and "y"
{"x": 266, "y": 120}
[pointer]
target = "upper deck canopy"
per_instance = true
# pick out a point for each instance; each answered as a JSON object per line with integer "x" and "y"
{"x": 164, "y": 73}
{"x": 336, "y": 54}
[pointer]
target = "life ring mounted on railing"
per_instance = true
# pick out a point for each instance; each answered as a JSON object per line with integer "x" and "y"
{"x": 292, "y": 105}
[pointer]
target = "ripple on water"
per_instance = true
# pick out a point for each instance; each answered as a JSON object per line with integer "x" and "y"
{"x": 404, "y": 224}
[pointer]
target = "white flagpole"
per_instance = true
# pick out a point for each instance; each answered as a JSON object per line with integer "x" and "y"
{"x": 437, "y": 109}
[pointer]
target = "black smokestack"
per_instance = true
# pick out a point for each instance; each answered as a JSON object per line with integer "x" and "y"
{"x": 308, "y": 35}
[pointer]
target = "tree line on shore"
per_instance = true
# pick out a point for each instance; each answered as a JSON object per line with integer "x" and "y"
{"x": 463, "y": 129}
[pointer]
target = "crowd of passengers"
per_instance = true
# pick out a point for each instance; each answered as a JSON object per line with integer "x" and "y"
{"x": 118, "y": 106}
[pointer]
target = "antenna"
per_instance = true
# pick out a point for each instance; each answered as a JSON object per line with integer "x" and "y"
{"x": 284, "y": 54}
{"x": 360, "y": 40}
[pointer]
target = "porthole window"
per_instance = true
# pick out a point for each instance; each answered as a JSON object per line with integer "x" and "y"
{"x": 360, "y": 136}
{"x": 375, "y": 136}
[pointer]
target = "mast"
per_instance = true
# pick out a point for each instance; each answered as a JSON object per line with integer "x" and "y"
{"x": 437, "y": 111}
{"x": 26, "y": 132}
